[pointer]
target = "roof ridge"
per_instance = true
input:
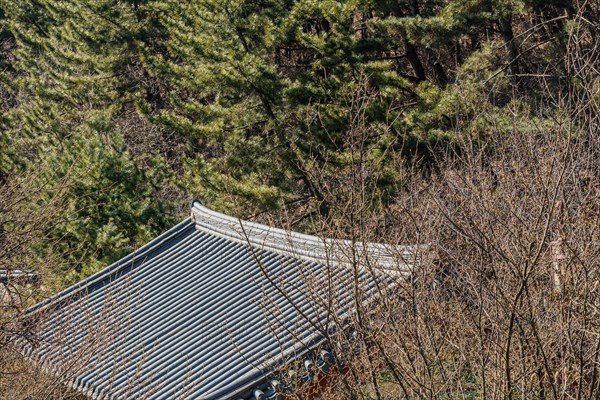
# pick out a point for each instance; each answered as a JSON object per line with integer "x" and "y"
{"x": 299, "y": 245}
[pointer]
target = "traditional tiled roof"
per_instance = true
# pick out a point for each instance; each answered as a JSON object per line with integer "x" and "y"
{"x": 208, "y": 310}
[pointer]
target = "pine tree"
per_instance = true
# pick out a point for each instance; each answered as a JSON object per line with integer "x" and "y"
{"x": 255, "y": 103}
{"x": 69, "y": 90}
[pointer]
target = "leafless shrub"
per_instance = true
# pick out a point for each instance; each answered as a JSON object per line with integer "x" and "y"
{"x": 509, "y": 307}
{"x": 22, "y": 228}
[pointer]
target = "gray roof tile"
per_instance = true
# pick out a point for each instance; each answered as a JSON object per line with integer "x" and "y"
{"x": 206, "y": 310}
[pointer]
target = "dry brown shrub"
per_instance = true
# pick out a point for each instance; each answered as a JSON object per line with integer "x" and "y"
{"x": 510, "y": 305}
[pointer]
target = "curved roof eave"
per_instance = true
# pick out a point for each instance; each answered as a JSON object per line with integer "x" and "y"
{"x": 302, "y": 246}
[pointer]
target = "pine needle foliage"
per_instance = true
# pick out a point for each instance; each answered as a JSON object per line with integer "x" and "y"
{"x": 251, "y": 105}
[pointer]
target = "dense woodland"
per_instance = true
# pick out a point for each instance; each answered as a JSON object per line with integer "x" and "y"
{"x": 471, "y": 125}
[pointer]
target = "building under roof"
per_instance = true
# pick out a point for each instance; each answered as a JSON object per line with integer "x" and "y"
{"x": 211, "y": 309}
